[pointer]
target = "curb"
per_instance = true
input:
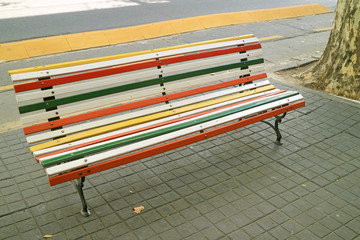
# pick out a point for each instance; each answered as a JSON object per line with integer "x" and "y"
{"x": 78, "y": 41}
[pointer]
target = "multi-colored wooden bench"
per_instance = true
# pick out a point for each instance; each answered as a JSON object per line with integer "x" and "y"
{"x": 87, "y": 116}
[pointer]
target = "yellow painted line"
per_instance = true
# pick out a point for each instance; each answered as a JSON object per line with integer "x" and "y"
{"x": 6, "y": 88}
{"x": 11, "y": 87}
{"x": 269, "y": 38}
{"x": 144, "y": 119}
{"x": 9, "y": 126}
{"x": 323, "y": 29}
{"x": 71, "y": 42}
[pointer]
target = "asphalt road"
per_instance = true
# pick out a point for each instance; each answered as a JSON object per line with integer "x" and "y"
{"x": 16, "y": 29}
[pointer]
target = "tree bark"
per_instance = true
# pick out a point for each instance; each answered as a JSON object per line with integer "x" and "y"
{"x": 338, "y": 70}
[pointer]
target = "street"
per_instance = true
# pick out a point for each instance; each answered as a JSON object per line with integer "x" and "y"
{"x": 27, "y": 20}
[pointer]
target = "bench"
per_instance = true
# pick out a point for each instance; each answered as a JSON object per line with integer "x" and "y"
{"x": 88, "y": 116}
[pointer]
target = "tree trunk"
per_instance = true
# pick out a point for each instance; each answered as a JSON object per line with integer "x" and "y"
{"x": 338, "y": 70}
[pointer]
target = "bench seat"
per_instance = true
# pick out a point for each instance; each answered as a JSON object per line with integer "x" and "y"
{"x": 85, "y": 117}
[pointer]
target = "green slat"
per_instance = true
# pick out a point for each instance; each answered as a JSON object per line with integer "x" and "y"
{"x": 155, "y": 133}
{"x": 132, "y": 86}
{"x": 213, "y": 69}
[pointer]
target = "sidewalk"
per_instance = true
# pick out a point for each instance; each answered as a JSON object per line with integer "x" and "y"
{"x": 236, "y": 186}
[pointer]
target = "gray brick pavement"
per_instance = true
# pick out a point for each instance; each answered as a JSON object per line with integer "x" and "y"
{"x": 236, "y": 186}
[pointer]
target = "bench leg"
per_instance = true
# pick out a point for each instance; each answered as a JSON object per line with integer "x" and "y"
{"x": 79, "y": 187}
{"x": 276, "y": 127}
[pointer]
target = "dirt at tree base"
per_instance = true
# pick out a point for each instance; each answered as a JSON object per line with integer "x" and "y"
{"x": 292, "y": 75}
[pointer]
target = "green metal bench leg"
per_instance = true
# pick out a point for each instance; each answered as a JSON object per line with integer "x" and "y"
{"x": 79, "y": 187}
{"x": 276, "y": 128}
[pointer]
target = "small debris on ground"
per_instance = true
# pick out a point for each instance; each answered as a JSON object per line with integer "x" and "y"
{"x": 138, "y": 209}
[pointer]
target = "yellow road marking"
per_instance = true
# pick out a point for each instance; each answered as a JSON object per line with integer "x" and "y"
{"x": 144, "y": 119}
{"x": 323, "y": 29}
{"x": 5, "y": 88}
{"x": 71, "y": 42}
{"x": 269, "y": 38}
{"x": 5, "y": 127}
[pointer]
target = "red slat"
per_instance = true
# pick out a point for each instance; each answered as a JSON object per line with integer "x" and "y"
{"x": 169, "y": 146}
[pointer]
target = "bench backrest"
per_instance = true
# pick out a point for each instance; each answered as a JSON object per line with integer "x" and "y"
{"x": 50, "y": 104}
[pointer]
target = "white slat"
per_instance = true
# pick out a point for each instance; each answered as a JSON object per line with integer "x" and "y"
{"x": 166, "y": 137}
{"x": 127, "y": 60}
{"x": 139, "y": 113}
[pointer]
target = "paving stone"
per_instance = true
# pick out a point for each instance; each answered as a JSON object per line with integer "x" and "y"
{"x": 215, "y": 216}
{"x": 52, "y": 228}
{"x": 212, "y": 233}
{"x": 226, "y": 226}
{"x": 305, "y": 220}
{"x": 278, "y": 202}
{"x": 35, "y": 233}
{"x": 201, "y": 223}
{"x": 239, "y": 234}
{"x": 195, "y": 236}
{"x": 190, "y": 213}
{"x": 186, "y": 230}
{"x": 346, "y": 233}
{"x": 280, "y": 233}
{"x": 228, "y": 210}
{"x": 332, "y": 236}
{"x": 170, "y": 234}
{"x": 119, "y": 229}
{"x": 8, "y": 231}
{"x": 253, "y": 230}
{"x": 240, "y": 220}
{"x": 144, "y": 233}
{"x": 75, "y": 232}
{"x": 354, "y": 225}
{"x": 253, "y": 213}
{"x": 160, "y": 226}
{"x": 175, "y": 219}
{"x": 319, "y": 230}
{"x": 127, "y": 236}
